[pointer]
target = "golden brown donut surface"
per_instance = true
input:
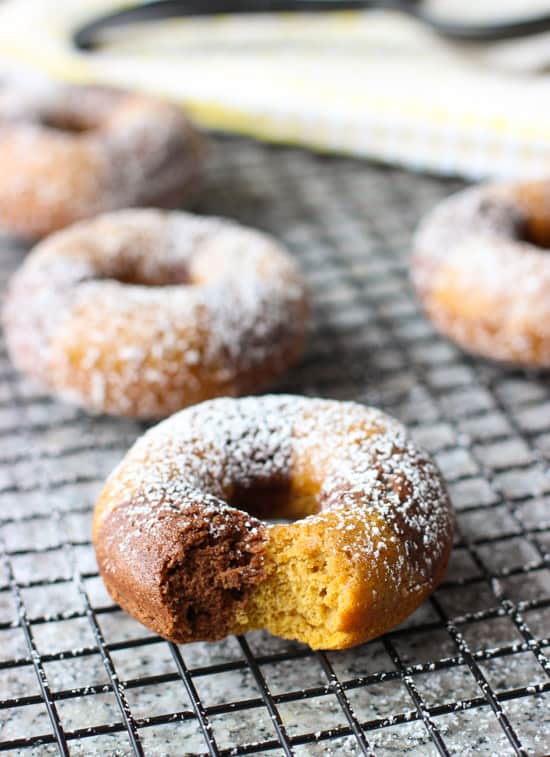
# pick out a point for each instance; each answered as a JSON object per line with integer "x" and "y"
{"x": 143, "y": 312}
{"x": 482, "y": 271}
{"x": 372, "y": 541}
{"x": 72, "y": 152}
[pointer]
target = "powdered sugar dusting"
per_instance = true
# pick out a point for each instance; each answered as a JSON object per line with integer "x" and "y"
{"x": 480, "y": 281}
{"x": 367, "y": 471}
{"x": 79, "y": 151}
{"x": 231, "y": 315}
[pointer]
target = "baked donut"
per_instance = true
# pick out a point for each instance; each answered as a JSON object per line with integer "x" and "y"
{"x": 372, "y": 539}
{"x": 482, "y": 273}
{"x": 72, "y": 152}
{"x": 142, "y": 312}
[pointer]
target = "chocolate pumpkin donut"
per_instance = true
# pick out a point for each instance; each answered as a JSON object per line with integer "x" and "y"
{"x": 73, "y": 152}
{"x": 183, "y": 546}
{"x": 482, "y": 271}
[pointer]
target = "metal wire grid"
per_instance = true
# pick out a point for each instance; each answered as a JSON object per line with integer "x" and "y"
{"x": 468, "y": 674}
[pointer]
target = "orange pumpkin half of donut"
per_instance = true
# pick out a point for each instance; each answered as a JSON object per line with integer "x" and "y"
{"x": 481, "y": 267}
{"x": 143, "y": 312}
{"x": 68, "y": 153}
{"x": 182, "y": 545}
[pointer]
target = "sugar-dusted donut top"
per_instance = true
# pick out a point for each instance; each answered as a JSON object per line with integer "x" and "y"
{"x": 493, "y": 236}
{"x": 153, "y": 290}
{"x": 356, "y": 462}
{"x": 74, "y": 151}
{"x": 482, "y": 268}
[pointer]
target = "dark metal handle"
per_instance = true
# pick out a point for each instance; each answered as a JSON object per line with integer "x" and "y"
{"x": 86, "y": 37}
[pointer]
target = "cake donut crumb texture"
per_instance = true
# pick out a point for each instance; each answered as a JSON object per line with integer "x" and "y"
{"x": 142, "y": 312}
{"x": 183, "y": 545}
{"x": 481, "y": 268}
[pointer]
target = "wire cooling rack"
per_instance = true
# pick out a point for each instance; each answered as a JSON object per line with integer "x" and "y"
{"x": 468, "y": 674}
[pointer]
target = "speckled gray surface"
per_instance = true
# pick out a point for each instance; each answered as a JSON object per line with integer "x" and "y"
{"x": 468, "y": 674}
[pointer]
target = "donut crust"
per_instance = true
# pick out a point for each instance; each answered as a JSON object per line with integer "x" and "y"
{"x": 481, "y": 270}
{"x": 73, "y": 152}
{"x": 143, "y": 312}
{"x": 183, "y": 546}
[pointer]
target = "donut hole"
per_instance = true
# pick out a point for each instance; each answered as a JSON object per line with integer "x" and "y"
{"x": 134, "y": 278}
{"x": 536, "y": 232}
{"x": 141, "y": 274}
{"x": 69, "y": 123}
{"x": 533, "y": 201}
{"x": 522, "y": 218}
{"x": 274, "y": 502}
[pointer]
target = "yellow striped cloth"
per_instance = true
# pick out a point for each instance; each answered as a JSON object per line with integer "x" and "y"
{"x": 368, "y": 84}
